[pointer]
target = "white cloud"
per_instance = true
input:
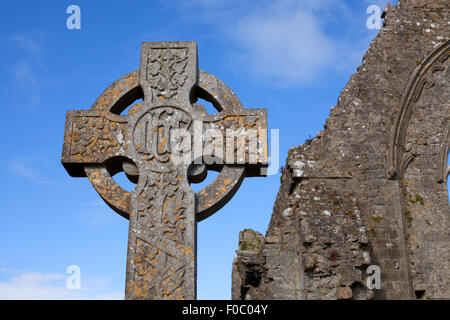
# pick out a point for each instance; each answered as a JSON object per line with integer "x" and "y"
{"x": 29, "y": 42}
{"x": 52, "y": 286}
{"x": 23, "y": 169}
{"x": 98, "y": 214}
{"x": 24, "y": 74}
{"x": 29, "y": 71}
{"x": 285, "y": 45}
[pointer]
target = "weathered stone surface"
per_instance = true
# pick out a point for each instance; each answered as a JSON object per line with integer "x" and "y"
{"x": 163, "y": 210}
{"x": 370, "y": 189}
{"x": 247, "y": 267}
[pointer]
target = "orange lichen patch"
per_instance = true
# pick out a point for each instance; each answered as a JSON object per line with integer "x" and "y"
{"x": 109, "y": 190}
{"x": 166, "y": 202}
{"x": 186, "y": 250}
{"x": 179, "y": 293}
{"x": 145, "y": 287}
{"x": 209, "y": 202}
{"x": 94, "y": 139}
{"x": 140, "y": 270}
{"x": 138, "y": 292}
{"x": 115, "y": 90}
{"x": 131, "y": 80}
{"x": 220, "y": 191}
{"x": 134, "y": 108}
{"x": 163, "y": 140}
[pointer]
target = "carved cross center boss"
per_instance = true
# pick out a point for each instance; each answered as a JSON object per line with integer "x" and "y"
{"x": 162, "y": 209}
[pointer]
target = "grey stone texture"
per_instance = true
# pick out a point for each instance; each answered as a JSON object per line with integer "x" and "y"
{"x": 371, "y": 187}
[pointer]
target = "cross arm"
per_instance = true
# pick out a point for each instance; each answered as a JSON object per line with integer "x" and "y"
{"x": 242, "y": 138}
{"x": 91, "y": 138}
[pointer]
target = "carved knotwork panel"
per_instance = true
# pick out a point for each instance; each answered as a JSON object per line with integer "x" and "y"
{"x": 166, "y": 70}
{"x": 163, "y": 251}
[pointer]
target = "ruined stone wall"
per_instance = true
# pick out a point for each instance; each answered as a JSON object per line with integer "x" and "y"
{"x": 369, "y": 189}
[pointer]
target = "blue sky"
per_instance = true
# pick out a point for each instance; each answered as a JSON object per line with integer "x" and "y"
{"x": 291, "y": 57}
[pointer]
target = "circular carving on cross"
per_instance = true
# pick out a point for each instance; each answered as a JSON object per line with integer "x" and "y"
{"x": 152, "y": 134}
{"x": 150, "y": 139}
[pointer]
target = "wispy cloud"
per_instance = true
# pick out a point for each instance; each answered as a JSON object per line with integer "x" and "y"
{"x": 27, "y": 77}
{"x": 24, "y": 169}
{"x": 98, "y": 214}
{"x": 29, "y": 71}
{"x": 31, "y": 42}
{"x": 52, "y": 286}
{"x": 284, "y": 44}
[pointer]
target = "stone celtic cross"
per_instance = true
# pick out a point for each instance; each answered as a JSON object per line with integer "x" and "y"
{"x": 162, "y": 209}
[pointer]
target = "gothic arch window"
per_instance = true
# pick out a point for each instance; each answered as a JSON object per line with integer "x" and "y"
{"x": 418, "y": 159}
